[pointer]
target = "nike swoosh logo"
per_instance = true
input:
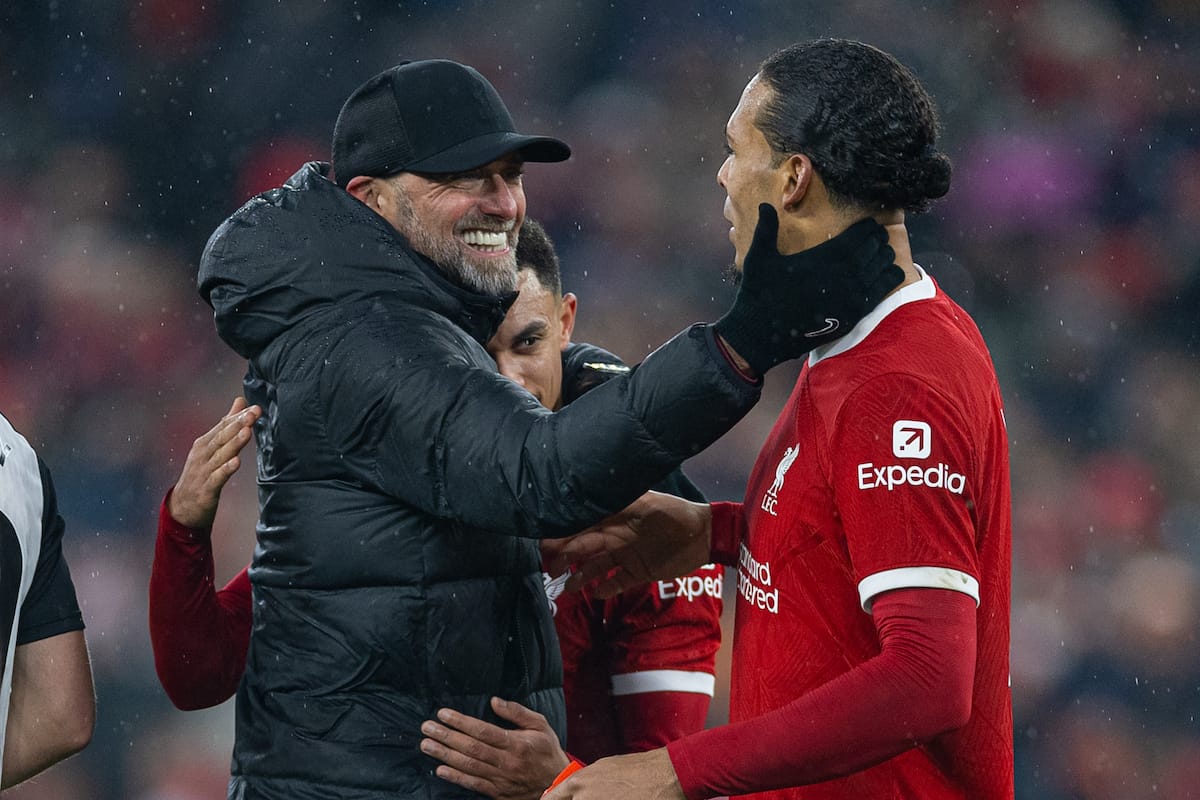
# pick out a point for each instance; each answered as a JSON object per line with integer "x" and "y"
{"x": 831, "y": 325}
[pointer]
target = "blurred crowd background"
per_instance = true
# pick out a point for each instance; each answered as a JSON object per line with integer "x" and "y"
{"x": 130, "y": 128}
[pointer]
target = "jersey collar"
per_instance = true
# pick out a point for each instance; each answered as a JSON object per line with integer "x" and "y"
{"x": 923, "y": 289}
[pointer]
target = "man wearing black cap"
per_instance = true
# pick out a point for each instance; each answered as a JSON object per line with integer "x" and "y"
{"x": 430, "y": 146}
{"x": 403, "y": 482}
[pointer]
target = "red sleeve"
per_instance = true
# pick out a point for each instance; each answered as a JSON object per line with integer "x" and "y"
{"x": 656, "y": 718}
{"x": 663, "y": 642}
{"x": 727, "y": 353}
{"x": 728, "y": 530}
{"x": 199, "y": 636}
{"x": 918, "y": 686}
{"x": 904, "y": 459}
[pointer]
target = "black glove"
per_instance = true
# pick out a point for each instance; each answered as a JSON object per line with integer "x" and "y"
{"x": 787, "y": 305}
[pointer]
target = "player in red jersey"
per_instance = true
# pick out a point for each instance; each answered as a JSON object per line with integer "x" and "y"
{"x": 870, "y": 652}
{"x": 638, "y": 669}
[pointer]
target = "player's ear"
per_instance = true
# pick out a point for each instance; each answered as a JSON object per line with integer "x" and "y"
{"x": 798, "y": 173}
{"x": 566, "y": 317}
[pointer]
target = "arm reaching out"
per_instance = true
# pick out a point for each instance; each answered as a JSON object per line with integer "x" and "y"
{"x": 200, "y": 635}
{"x": 210, "y": 464}
{"x": 918, "y": 687}
{"x": 658, "y": 536}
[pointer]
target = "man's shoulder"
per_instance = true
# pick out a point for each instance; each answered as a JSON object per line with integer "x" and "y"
{"x": 933, "y": 342}
{"x": 25, "y": 490}
{"x": 21, "y": 478}
{"x": 393, "y": 349}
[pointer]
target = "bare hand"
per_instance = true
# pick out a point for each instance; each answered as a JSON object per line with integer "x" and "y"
{"x": 210, "y": 464}
{"x": 645, "y": 776}
{"x": 500, "y": 763}
{"x": 658, "y": 536}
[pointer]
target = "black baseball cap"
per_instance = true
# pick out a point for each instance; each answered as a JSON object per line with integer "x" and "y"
{"x": 429, "y": 116}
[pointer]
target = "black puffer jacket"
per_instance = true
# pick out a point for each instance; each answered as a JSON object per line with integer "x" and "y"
{"x": 586, "y": 366}
{"x": 402, "y": 485}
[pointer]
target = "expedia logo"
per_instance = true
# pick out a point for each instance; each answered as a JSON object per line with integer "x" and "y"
{"x": 911, "y": 439}
{"x": 690, "y": 587}
{"x": 893, "y": 475}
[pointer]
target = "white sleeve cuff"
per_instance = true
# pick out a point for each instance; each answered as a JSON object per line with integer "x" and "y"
{"x": 916, "y": 578}
{"x": 663, "y": 680}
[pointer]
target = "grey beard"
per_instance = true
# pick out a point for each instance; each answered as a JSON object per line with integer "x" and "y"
{"x": 499, "y": 281}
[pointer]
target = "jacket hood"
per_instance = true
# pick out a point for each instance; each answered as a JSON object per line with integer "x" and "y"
{"x": 310, "y": 246}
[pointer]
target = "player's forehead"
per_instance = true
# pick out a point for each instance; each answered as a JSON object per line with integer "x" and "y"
{"x": 532, "y": 298}
{"x": 533, "y": 313}
{"x": 743, "y": 118}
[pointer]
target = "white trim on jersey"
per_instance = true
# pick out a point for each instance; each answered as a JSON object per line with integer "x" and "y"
{"x": 664, "y": 680}
{"x": 916, "y": 578}
{"x": 924, "y": 289}
{"x": 21, "y": 496}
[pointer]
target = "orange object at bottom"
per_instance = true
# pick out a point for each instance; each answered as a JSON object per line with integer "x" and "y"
{"x": 568, "y": 771}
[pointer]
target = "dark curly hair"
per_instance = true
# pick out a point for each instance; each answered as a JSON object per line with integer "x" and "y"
{"x": 535, "y": 251}
{"x": 862, "y": 117}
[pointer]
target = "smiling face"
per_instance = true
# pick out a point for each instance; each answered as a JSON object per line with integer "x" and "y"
{"x": 466, "y": 222}
{"x": 529, "y": 343}
{"x": 748, "y": 175}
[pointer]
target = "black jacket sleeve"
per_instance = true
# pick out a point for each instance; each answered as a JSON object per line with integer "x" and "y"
{"x": 434, "y": 426}
{"x": 586, "y": 366}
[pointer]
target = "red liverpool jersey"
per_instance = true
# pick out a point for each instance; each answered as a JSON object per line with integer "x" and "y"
{"x": 887, "y": 469}
{"x": 638, "y": 669}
